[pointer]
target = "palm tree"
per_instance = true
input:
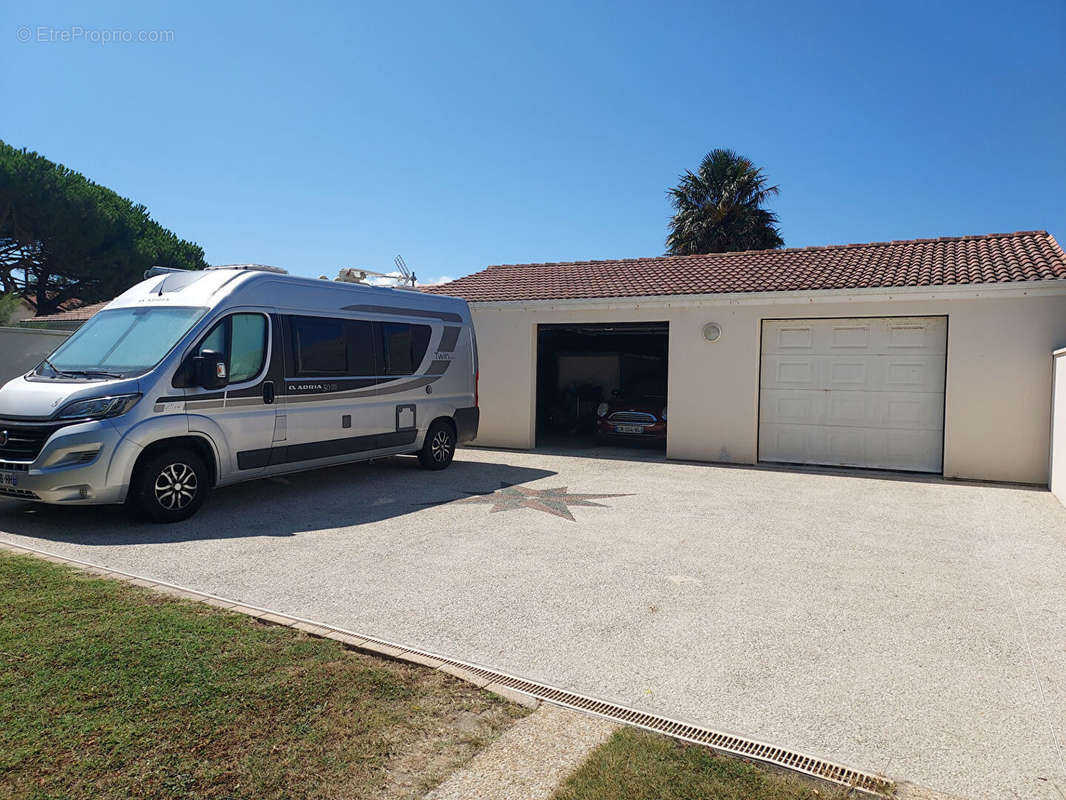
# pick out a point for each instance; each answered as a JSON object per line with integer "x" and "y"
{"x": 719, "y": 208}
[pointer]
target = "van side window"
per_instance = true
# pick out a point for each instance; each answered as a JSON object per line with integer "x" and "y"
{"x": 361, "y": 351}
{"x": 241, "y": 339}
{"x": 248, "y": 339}
{"x": 216, "y": 340}
{"x": 319, "y": 346}
{"x": 404, "y": 345}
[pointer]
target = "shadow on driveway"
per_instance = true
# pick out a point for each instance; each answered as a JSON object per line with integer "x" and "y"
{"x": 315, "y": 501}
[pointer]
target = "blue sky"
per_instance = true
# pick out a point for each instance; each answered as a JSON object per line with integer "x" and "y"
{"x": 464, "y": 134}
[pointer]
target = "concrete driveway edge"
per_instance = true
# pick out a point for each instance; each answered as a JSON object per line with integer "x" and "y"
{"x": 473, "y": 674}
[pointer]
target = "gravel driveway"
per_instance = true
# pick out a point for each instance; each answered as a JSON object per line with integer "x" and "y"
{"x": 915, "y": 627}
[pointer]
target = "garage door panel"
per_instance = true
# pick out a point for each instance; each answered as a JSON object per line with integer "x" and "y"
{"x": 797, "y": 444}
{"x": 910, "y": 411}
{"x": 847, "y": 373}
{"x": 871, "y": 336}
{"x": 885, "y": 410}
{"x": 850, "y": 408}
{"x": 847, "y": 445}
{"x": 919, "y": 373}
{"x": 911, "y": 450}
{"x": 785, "y": 338}
{"x": 850, "y": 447}
{"x": 916, "y": 373}
{"x": 877, "y": 410}
{"x": 854, "y": 392}
{"x": 917, "y": 335}
{"x": 855, "y": 337}
{"x": 792, "y": 407}
{"x": 791, "y": 372}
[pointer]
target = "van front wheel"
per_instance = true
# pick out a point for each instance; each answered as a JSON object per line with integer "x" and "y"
{"x": 439, "y": 447}
{"x": 170, "y": 485}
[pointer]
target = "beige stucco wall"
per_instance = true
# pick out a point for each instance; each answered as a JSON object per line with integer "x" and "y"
{"x": 998, "y": 396}
{"x": 1057, "y": 480}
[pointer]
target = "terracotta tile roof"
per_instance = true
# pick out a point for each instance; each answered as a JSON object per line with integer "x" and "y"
{"x": 66, "y": 305}
{"x": 994, "y": 258}
{"x": 74, "y": 315}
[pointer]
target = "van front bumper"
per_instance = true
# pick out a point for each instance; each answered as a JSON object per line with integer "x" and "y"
{"x": 72, "y": 468}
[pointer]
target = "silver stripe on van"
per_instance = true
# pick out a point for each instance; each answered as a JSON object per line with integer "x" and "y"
{"x": 434, "y": 373}
{"x": 232, "y": 402}
{"x": 447, "y": 316}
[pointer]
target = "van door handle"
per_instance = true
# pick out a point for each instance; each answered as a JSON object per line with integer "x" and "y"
{"x": 268, "y": 392}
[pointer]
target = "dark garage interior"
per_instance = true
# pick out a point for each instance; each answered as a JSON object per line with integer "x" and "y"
{"x": 617, "y": 368}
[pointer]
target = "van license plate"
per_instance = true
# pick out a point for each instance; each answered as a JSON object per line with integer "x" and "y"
{"x": 9, "y": 479}
{"x": 628, "y": 429}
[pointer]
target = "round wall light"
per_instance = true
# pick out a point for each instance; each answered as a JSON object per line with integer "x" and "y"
{"x": 712, "y": 332}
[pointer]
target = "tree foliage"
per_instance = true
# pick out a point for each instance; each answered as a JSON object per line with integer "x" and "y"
{"x": 719, "y": 208}
{"x": 62, "y": 236}
{"x": 9, "y": 304}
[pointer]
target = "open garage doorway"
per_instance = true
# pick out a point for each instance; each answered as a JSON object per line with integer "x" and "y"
{"x": 603, "y": 385}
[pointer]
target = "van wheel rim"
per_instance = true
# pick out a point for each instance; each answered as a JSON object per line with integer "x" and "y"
{"x": 441, "y": 447}
{"x": 176, "y": 486}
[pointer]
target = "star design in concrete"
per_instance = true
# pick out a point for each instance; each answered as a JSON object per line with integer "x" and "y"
{"x": 551, "y": 501}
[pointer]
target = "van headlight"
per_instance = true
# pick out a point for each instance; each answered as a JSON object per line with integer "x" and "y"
{"x": 99, "y": 407}
{"x": 601, "y": 409}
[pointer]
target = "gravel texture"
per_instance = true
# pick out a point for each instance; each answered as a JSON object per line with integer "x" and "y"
{"x": 915, "y": 627}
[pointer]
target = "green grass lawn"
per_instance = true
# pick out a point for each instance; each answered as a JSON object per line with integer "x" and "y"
{"x": 111, "y": 691}
{"x": 635, "y": 765}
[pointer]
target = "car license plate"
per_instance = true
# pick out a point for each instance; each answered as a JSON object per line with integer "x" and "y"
{"x": 9, "y": 479}
{"x": 628, "y": 429}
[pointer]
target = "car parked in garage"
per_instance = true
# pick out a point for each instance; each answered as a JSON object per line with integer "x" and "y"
{"x": 638, "y": 419}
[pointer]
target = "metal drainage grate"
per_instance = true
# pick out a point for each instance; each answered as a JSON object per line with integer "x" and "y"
{"x": 683, "y": 731}
{"x": 695, "y": 734}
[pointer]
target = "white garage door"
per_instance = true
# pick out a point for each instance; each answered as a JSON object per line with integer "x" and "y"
{"x": 865, "y": 392}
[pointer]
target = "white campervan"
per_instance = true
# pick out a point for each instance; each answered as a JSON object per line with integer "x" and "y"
{"x": 192, "y": 380}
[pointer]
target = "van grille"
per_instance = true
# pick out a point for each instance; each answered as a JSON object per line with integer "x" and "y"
{"x": 632, "y": 416}
{"x": 24, "y": 441}
{"x": 22, "y": 494}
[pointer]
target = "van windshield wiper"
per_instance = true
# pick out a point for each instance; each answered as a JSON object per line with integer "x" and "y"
{"x": 94, "y": 372}
{"x": 58, "y": 372}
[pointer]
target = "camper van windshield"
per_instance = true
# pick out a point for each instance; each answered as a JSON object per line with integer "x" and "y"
{"x": 121, "y": 342}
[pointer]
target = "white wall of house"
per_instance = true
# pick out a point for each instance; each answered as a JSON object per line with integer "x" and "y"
{"x": 998, "y": 389}
{"x": 1057, "y": 481}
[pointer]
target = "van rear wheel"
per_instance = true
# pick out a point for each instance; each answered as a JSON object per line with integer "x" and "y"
{"x": 439, "y": 447}
{"x": 170, "y": 485}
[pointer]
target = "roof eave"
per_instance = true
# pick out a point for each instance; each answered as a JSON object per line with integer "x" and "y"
{"x": 812, "y": 296}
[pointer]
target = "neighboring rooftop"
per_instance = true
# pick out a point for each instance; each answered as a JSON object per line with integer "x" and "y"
{"x": 66, "y": 305}
{"x": 993, "y": 258}
{"x": 75, "y": 315}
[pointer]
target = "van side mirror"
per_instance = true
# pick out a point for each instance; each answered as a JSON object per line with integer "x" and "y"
{"x": 209, "y": 370}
